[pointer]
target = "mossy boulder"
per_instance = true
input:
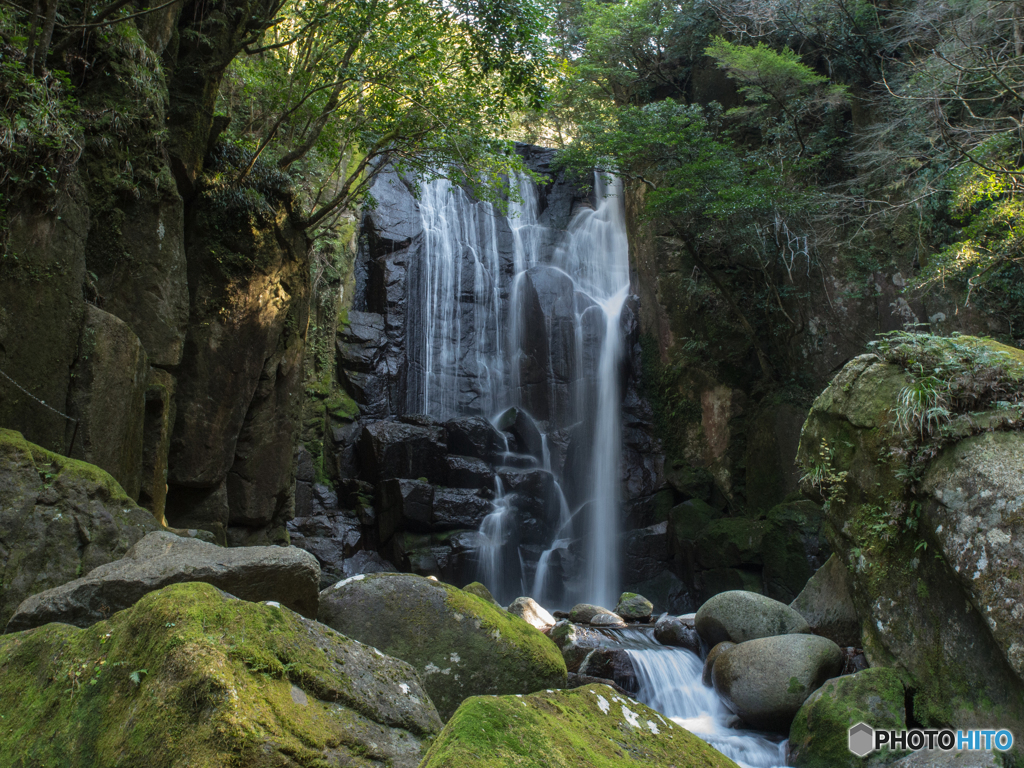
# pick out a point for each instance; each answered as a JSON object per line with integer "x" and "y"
{"x": 588, "y": 727}
{"x": 481, "y": 591}
{"x": 634, "y": 607}
{"x": 460, "y": 644}
{"x": 730, "y": 542}
{"x": 740, "y": 616}
{"x": 818, "y": 736}
{"x": 191, "y": 676}
{"x": 765, "y": 681}
{"x": 794, "y": 546}
{"x": 59, "y": 518}
{"x": 897, "y": 498}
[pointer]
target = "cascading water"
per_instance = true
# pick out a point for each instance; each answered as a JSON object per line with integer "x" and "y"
{"x": 539, "y": 331}
{"x": 670, "y": 682}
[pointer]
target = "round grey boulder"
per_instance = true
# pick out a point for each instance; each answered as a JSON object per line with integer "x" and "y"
{"x": 582, "y": 613}
{"x": 634, "y": 607}
{"x": 709, "y": 662}
{"x": 766, "y": 681}
{"x": 740, "y": 616}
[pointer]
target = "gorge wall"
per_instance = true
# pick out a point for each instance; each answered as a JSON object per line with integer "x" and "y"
{"x": 152, "y": 321}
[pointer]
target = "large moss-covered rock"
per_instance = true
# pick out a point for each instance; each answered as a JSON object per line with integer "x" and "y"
{"x": 975, "y": 517}
{"x": 59, "y": 518}
{"x": 765, "y": 681}
{"x": 740, "y": 616}
{"x": 922, "y": 617}
{"x": 460, "y": 644}
{"x": 794, "y": 546}
{"x": 589, "y": 727}
{"x": 189, "y": 676}
{"x": 287, "y": 575}
{"x": 818, "y": 736}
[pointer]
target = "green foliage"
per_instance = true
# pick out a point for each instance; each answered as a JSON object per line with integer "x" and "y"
{"x": 40, "y": 138}
{"x": 986, "y": 200}
{"x": 824, "y": 477}
{"x": 950, "y": 377}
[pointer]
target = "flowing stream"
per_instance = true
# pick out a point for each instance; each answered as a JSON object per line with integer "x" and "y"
{"x": 670, "y": 682}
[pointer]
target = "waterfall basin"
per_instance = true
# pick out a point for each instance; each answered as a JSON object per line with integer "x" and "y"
{"x": 670, "y": 682}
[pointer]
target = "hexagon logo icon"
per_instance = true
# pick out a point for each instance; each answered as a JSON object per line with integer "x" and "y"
{"x": 862, "y": 739}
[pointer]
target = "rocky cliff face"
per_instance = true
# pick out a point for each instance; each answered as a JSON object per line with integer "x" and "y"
{"x": 922, "y": 508}
{"x": 419, "y": 487}
{"x": 158, "y": 315}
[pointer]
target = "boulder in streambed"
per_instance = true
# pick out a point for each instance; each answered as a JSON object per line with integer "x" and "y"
{"x": 460, "y": 644}
{"x": 670, "y": 630}
{"x": 592, "y": 726}
{"x": 575, "y": 641}
{"x": 582, "y": 613}
{"x": 818, "y": 736}
{"x": 532, "y": 612}
{"x": 287, "y": 575}
{"x": 707, "y": 675}
{"x": 634, "y": 607}
{"x": 59, "y": 518}
{"x": 766, "y": 681}
{"x": 739, "y": 616}
{"x": 190, "y": 676}
{"x": 611, "y": 664}
{"x": 607, "y": 620}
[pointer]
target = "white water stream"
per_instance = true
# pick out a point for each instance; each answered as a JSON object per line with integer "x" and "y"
{"x": 670, "y": 682}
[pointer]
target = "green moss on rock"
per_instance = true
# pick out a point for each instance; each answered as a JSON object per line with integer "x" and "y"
{"x": 818, "y": 736}
{"x": 481, "y": 591}
{"x": 881, "y": 522}
{"x": 461, "y": 644}
{"x": 190, "y": 676}
{"x": 589, "y": 727}
{"x": 59, "y": 519}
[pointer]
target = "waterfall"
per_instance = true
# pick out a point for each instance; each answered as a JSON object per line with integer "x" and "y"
{"x": 516, "y": 313}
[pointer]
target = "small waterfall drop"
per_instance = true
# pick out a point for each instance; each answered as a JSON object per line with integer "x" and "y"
{"x": 670, "y": 682}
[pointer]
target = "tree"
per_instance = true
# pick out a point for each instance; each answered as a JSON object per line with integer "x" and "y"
{"x": 782, "y": 91}
{"x": 338, "y": 90}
